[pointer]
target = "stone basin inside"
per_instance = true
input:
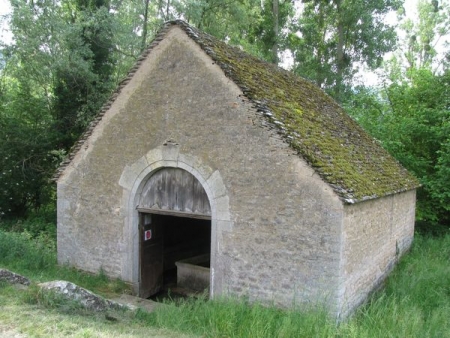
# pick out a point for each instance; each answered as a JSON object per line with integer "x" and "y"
{"x": 193, "y": 273}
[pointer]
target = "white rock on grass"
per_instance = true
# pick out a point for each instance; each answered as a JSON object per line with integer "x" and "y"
{"x": 74, "y": 292}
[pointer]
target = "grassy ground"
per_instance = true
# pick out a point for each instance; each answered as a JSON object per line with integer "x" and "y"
{"x": 29, "y": 316}
{"x": 414, "y": 303}
{"x": 35, "y": 258}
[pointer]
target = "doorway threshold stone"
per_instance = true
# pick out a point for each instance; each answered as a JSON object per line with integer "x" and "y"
{"x": 134, "y": 303}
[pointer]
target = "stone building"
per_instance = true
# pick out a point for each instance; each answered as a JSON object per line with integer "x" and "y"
{"x": 205, "y": 151}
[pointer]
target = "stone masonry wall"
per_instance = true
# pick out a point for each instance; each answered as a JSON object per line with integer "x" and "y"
{"x": 376, "y": 233}
{"x": 284, "y": 242}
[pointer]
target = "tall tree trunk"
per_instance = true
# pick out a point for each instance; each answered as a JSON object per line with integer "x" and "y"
{"x": 340, "y": 56}
{"x": 275, "y": 12}
{"x": 320, "y": 74}
{"x": 144, "y": 26}
{"x": 167, "y": 10}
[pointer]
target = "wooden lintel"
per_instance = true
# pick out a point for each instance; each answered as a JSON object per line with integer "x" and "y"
{"x": 173, "y": 213}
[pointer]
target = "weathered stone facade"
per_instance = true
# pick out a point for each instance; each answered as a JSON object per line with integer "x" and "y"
{"x": 375, "y": 234}
{"x": 279, "y": 233}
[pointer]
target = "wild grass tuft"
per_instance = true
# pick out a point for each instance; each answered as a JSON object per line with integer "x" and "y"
{"x": 35, "y": 258}
{"x": 238, "y": 318}
{"x": 416, "y": 299}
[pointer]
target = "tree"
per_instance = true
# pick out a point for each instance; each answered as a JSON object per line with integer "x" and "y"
{"x": 57, "y": 57}
{"x": 252, "y": 24}
{"x": 26, "y": 133}
{"x": 268, "y": 34}
{"x": 83, "y": 82}
{"x": 26, "y": 157}
{"x": 412, "y": 121}
{"x": 334, "y": 35}
{"x": 423, "y": 36}
{"x": 410, "y": 115}
{"x": 229, "y": 20}
{"x": 425, "y": 43}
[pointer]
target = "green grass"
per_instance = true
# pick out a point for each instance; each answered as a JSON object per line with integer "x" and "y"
{"x": 237, "y": 318}
{"x": 29, "y": 316}
{"x": 415, "y": 302}
{"x": 35, "y": 258}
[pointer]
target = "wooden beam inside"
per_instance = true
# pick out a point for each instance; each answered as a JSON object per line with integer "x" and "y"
{"x": 173, "y": 213}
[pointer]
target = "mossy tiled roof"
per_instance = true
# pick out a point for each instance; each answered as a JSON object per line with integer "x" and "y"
{"x": 311, "y": 122}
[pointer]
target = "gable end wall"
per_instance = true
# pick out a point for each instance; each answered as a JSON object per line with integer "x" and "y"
{"x": 282, "y": 243}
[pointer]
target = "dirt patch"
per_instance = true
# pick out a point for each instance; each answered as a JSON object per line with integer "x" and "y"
{"x": 7, "y": 331}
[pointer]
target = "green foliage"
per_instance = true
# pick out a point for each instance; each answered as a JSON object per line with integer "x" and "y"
{"x": 57, "y": 73}
{"x": 423, "y": 35}
{"x": 219, "y": 18}
{"x": 412, "y": 120}
{"x": 83, "y": 82}
{"x": 68, "y": 55}
{"x": 410, "y": 115}
{"x": 26, "y": 156}
{"x": 20, "y": 252}
{"x": 262, "y": 35}
{"x": 39, "y": 224}
{"x": 334, "y": 35}
{"x": 35, "y": 257}
{"x": 246, "y": 23}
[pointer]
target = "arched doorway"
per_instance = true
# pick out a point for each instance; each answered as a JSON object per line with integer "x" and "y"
{"x": 174, "y": 228}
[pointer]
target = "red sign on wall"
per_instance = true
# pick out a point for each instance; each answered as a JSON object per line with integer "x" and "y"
{"x": 147, "y": 235}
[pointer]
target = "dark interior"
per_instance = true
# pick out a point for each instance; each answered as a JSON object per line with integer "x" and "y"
{"x": 183, "y": 238}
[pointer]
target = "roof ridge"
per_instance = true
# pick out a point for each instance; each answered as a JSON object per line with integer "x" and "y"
{"x": 306, "y": 118}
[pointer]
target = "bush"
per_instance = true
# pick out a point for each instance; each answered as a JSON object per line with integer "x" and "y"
{"x": 412, "y": 121}
{"x": 21, "y": 251}
{"x": 41, "y": 223}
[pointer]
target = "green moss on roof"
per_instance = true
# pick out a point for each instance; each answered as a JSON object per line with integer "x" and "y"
{"x": 313, "y": 124}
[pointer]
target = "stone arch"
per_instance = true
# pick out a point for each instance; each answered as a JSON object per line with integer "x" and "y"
{"x": 133, "y": 180}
